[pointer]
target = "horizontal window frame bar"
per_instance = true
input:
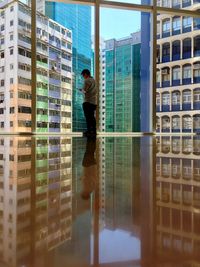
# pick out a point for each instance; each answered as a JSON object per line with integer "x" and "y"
{"x": 136, "y": 7}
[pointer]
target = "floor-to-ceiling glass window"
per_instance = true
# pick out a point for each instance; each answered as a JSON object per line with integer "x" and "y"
{"x": 65, "y": 45}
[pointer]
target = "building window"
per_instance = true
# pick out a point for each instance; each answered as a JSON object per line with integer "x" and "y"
{"x": 176, "y": 3}
{"x": 166, "y": 26}
{"x": 2, "y": 27}
{"x": 166, "y": 3}
{"x": 11, "y": 66}
{"x": 176, "y": 73}
{"x": 2, "y": 41}
{"x": 158, "y": 28}
{"x": 11, "y": 51}
{"x": 165, "y": 75}
{"x": 2, "y": 69}
{"x": 176, "y": 24}
{"x": 176, "y": 98}
{"x": 165, "y": 99}
{"x": 196, "y": 23}
{"x": 196, "y": 72}
{"x": 12, "y": 110}
{"x": 187, "y": 73}
{"x": 165, "y": 123}
{"x": 176, "y": 49}
{"x": 2, "y": 83}
{"x": 11, "y": 80}
{"x": 166, "y": 52}
{"x": 158, "y": 76}
{"x": 2, "y": 54}
{"x": 197, "y": 95}
{"x": 11, "y": 123}
{"x": 196, "y": 120}
{"x": 2, "y": 124}
{"x": 187, "y": 145}
{"x": 11, "y": 23}
{"x": 1, "y": 98}
{"x": 197, "y": 46}
{"x": 187, "y": 48}
{"x": 186, "y": 97}
{"x": 187, "y": 122}
{"x": 186, "y": 3}
{"x": 157, "y": 99}
{"x": 187, "y": 22}
{"x": 175, "y": 123}
{"x": 11, "y": 37}
{"x": 157, "y": 123}
{"x": 11, "y": 8}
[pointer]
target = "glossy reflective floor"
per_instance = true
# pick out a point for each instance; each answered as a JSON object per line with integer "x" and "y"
{"x": 81, "y": 202}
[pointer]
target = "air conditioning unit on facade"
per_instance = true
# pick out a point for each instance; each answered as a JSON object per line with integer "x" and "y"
{"x": 44, "y": 38}
{"x": 54, "y": 67}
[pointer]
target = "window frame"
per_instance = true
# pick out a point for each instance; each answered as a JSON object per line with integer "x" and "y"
{"x": 152, "y": 8}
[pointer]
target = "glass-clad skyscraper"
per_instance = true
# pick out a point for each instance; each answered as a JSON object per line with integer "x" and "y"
{"x": 122, "y": 83}
{"x": 78, "y": 19}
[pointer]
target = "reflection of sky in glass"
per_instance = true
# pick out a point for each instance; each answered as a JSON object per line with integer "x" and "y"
{"x": 118, "y": 246}
{"x": 116, "y": 23}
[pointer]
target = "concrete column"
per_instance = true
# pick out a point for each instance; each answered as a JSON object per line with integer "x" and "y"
{"x": 181, "y": 49}
{"x": 192, "y": 99}
{"x": 170, "y": 101}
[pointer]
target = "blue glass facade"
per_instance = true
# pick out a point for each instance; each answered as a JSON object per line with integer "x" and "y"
{"x": 145, "y": 92}
{"x": 78, "y": 19}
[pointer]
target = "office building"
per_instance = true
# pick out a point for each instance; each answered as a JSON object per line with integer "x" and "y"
{"x": 178, "y": 70}
{"x": 54, "y": 72}
{"x": 78, "y": 19}
{"x": 102, "y": 84}
{"x": 122, "y": 83}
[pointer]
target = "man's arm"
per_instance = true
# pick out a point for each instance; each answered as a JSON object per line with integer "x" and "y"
{"x": 86, "y": 86}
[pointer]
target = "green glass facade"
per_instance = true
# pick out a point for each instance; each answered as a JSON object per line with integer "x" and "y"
{"x": 123, "y": 85}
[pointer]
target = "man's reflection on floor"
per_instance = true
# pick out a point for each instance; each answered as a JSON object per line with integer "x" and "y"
{"x": 89, "y": 176}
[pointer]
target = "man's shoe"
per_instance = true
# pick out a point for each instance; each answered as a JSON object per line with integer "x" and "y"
{"x": 90, "y": 133}
{"x": 86, "y": 133}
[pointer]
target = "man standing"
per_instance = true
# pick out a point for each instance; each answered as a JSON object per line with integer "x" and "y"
{"x": 90, "y": 101}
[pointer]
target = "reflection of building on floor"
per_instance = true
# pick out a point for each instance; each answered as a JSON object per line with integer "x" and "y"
{"x": 120, "y": 70}
{"x": 34, "y": 222}
{"x": 119, "y": 183}
{"x": 178, "y": 69}
{"x": 178, "y": 195}
{"x": 54, "y": 71}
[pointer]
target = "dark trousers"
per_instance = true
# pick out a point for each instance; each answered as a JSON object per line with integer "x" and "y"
{"x": 89, "y": 110}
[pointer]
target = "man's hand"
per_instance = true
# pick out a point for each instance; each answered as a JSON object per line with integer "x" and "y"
{"x": 81, "y": 90}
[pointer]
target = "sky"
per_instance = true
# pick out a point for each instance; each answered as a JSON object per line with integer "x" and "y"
{"x": 115, "y": 23}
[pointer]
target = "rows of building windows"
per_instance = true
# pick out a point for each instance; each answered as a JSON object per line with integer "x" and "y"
{"x": 178, "y": 123}
{"x": 178, "y": 75}
{"x": 178, "y": 100}
{"x": 179, "y": 145}
{"x": 183, "y": 48}
{"x": 171, "y": 26}
{"x": 177, "y": 3}
{"x": 178, "y": 168}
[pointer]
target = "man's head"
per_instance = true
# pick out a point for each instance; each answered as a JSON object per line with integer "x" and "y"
{"x": 85, "y": 73}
